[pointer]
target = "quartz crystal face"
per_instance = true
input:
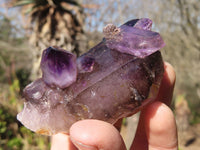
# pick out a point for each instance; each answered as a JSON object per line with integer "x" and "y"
{"x": 114, "y": 79}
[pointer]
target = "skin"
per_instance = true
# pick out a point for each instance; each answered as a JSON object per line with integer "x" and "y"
{"x": 156, "y": 128}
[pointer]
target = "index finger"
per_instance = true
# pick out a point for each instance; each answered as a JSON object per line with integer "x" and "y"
{"x": 165, "y": 96}
{"x": 167, "y": 85}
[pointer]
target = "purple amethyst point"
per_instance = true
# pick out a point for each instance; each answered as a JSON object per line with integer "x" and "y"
{"x": 58, "y": 67}
{"x": 144, "y": 24}
{"x": 134, "y": 38}
{"x": 85, "y": 64}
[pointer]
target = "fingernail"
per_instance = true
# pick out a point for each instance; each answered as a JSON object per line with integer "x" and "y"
{"x": 82, "y": 146}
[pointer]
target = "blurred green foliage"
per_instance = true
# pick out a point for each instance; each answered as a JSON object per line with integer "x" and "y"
{"x": 5, "y": 29}
{"x": 13, "y": 78}
{"x": 13, "y": 135}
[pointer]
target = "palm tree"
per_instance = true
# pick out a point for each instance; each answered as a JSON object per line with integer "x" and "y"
{"x": 53, "y": 22}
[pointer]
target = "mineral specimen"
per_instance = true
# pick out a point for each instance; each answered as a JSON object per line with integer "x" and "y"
{"x": 115, "y": 79}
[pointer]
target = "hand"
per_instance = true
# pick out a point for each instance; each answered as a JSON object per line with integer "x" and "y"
{"x": 156, "y": 127}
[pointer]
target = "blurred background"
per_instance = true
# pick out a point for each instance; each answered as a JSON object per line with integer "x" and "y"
{"x": 29, "y": 26}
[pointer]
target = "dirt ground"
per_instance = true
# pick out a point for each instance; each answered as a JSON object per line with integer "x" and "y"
{"x": 188, "y": 139}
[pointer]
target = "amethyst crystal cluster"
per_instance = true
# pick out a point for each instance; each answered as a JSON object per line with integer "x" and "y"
{"x": 114, "y": 79}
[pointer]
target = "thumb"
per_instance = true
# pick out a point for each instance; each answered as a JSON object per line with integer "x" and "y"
{"x": 94, "y": 135}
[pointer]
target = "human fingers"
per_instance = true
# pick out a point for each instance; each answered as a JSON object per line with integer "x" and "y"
{"x": 167, "y": 85}
{"x": 165, "y": 95}
{"x": 96, "y": 134}
{"x": 61, "y": 141}
{"x": 160, "y": 127}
